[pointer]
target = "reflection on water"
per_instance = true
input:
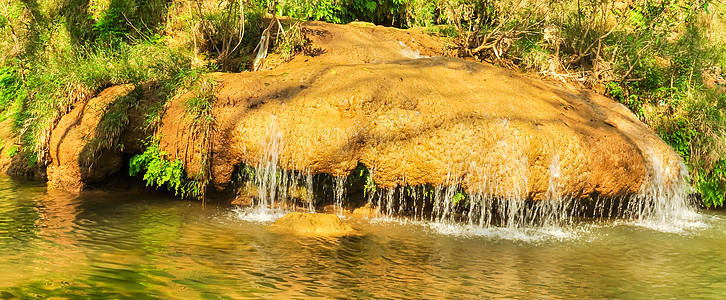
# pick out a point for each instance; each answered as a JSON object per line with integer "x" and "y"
{"x": 150, "y": 246}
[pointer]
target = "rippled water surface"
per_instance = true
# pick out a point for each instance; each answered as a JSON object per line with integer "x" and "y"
{"x": 133, "y": 245}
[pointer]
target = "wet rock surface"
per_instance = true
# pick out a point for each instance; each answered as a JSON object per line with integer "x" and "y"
{"x": 313, "y": 224}
{"x": 436, "y": 120}
{"x": 88, "y": 145}
{"x": 73, "y": 163}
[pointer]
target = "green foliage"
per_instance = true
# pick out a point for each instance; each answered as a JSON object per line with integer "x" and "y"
{"x": 363, "y": 9}
{"x": 200, "y": 106}
{"x": 61, "y": 80}
{"x": 123, "y": 21}
{"x": 442, "y": 30}
{"x": 290, "y": 42}
{"x": 679, "y": 134}
{"x": 111, "y": 27}
{"x": 361, "y": 176}
{"x": 217, "y": 33}
{"x": 400, "y": 13}
{"x": 534, "y": 55}
{"x": 712, "y": 186}
{"x": 323, "y": 10}
{"x": 460, "y": 199}
{"x": 12, "y": 151}
{"x": 160, "y": 171}
{"x": 370, "y": 186}
{"x": 12, "y": 93}
{"x": 246, "y": 173}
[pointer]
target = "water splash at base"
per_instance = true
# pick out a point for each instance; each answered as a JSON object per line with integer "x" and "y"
{"x": 258, "y": 214}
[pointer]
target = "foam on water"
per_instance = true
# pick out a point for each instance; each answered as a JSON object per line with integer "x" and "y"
{"x": 535, "y": 234}
{"x": 523, "y": 234}
{"x": 409, "y": 53}
{"x": 677, "y": 226}
{"x": 258, "y": 214}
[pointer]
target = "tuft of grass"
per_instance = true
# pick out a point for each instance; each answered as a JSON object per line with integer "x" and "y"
{"x": 12, "y": 151}
{"x": 290, "y": 42}
{"x": 64, "y": 81}
{"x": 199, "y": 108}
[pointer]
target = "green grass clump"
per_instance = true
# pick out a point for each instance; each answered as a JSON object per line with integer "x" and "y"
{"x": 199, "y": 108}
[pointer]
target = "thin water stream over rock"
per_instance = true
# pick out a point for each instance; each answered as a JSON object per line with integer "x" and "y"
{"x": 663, "y": 197}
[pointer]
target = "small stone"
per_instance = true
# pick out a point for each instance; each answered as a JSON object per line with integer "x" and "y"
{"x": 366, "y": 211}
{"x": 313, "y": 224}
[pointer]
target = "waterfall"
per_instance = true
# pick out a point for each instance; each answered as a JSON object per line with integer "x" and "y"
{"x": 278, "y": 188}
{"x": 338, "y": 194}
{"x": 662, "y": 203}
{"x": 268, "y": 176}
{"x": 662, "y": 200}
{"x": 495, "y": 202}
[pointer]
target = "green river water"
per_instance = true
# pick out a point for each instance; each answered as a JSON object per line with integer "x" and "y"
{"x": 147, "y": 246}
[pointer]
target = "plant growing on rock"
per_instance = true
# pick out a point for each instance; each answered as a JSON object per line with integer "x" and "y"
{"x": 159, "y": 170}
{"x": 199, "y": 107}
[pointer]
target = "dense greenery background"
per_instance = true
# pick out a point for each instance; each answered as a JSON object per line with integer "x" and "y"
{"x": 663, "y": 59}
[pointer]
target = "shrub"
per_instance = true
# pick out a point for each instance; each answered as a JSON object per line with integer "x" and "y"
{"x": 160, "y": 171}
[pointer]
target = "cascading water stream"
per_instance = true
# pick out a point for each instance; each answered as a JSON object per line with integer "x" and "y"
{"x": 277, "y": 189}
{"x": 489, "y": 203}
{"x": 267, "y": 173}
{"x": 662, "y": 203}
{"x": 338, "y": 194}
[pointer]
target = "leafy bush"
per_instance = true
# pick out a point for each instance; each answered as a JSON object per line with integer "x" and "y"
{"x": 291, "y": 42}
{"x": 159, "y": 171}
{"x": 199, "y": 108}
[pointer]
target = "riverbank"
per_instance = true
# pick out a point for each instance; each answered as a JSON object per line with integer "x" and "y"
{"x": 380, "y": 99}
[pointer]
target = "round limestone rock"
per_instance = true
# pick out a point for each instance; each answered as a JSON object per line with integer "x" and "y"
{"x": 313, "y": 224}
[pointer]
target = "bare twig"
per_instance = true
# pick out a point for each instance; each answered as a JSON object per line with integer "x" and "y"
{"x": 241, "y": 25}
{"x": 192, "y": 28}
{"x": 134, "y": 27}
{"x": 263, "y": 45}
{"x": 630, "y": 69}
{"x": 631, "y": 66}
